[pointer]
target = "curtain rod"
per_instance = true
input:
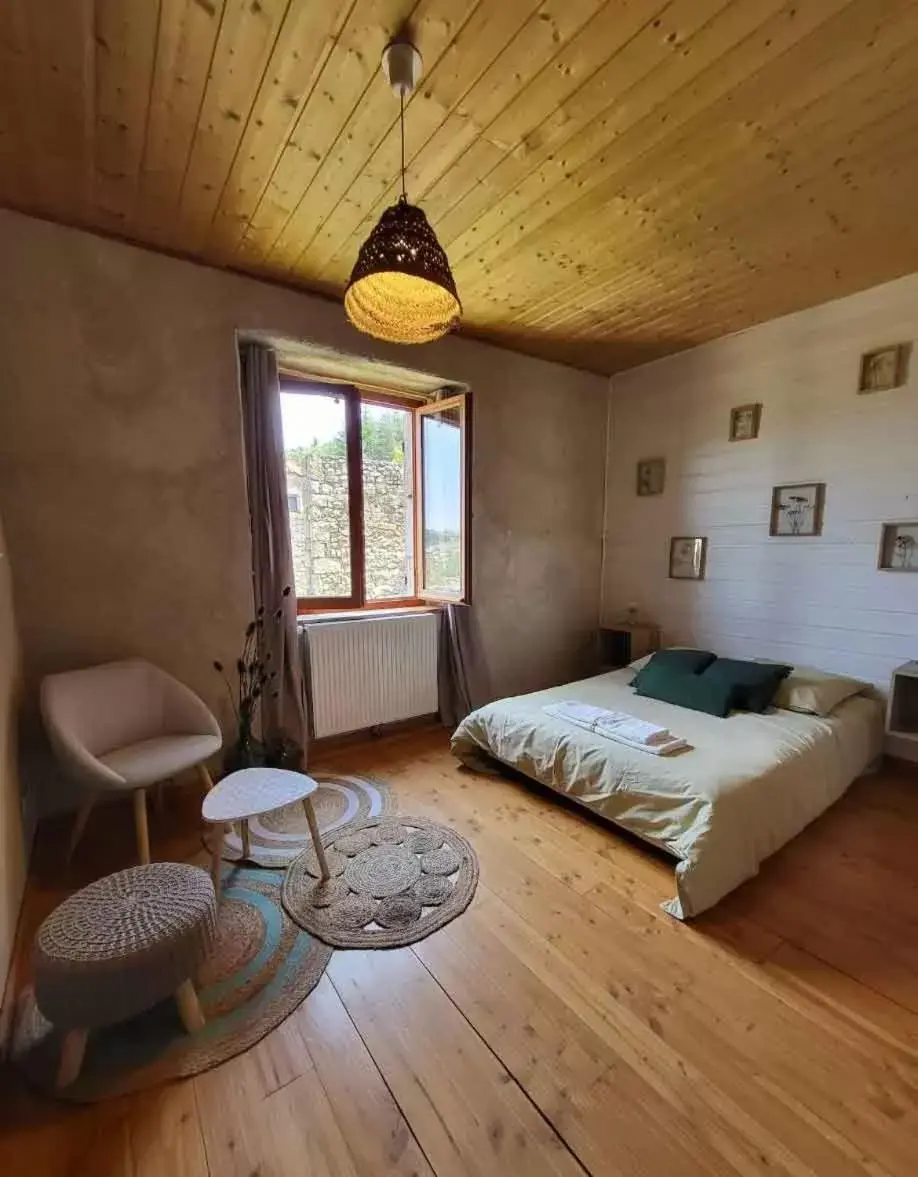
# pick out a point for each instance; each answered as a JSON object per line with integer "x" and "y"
{"x": 363, "y": 385}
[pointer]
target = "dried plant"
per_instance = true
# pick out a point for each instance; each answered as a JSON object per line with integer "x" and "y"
{"x": 255, "y": 677}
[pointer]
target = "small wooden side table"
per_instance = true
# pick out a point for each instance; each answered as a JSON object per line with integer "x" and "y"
{"x": 622, "y": 643}
{"x": 250, "y": 793}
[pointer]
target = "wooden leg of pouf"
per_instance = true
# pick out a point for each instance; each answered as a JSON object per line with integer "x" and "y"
{"x": 246, "y": 842}
{"x": 140, "y": 826}
{"x": 80, "y": 824}
{"x": 216, "y": 858}
{"x": 72, "y": 1051}
{"x": 189, "y": 1007}
{"x": 205, "y": 777}
{"x": 316, "y": 837}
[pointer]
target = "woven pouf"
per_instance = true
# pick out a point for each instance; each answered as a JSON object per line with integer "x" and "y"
{"x": 120, "y": 946}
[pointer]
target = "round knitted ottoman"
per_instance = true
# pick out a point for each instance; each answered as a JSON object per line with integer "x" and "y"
{"x": 120, "y": 946}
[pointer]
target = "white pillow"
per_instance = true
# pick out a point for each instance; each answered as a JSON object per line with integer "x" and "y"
{"x": 815, "y": 692}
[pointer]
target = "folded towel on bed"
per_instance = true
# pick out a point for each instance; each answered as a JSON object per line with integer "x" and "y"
{"x": 619, "y": 726}
{"x": 639, "y": 731}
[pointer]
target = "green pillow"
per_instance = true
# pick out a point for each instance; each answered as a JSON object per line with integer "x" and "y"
{"x": 694, "y": 691}
{"x": 754, "y": 684}
{"x": 675, "y": 662}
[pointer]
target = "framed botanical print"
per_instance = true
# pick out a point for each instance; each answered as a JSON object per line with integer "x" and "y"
{"x": 651, "y": 476}
{"x": 883, "y": 369}
{"x": 744, "y": 422}
{"x": 687, "y": 557}
{"x": 797, "y": 510}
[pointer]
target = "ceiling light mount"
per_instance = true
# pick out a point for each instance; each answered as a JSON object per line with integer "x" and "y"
{"x": 401, "y": 288}
{"x": 402, "y": 64}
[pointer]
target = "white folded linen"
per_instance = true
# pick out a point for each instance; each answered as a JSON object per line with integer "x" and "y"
{"x": 619, "y": 726}
{"x": 640, "y": 731}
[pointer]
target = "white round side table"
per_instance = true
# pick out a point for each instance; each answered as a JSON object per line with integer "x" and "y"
{"x": 251, "y": 792}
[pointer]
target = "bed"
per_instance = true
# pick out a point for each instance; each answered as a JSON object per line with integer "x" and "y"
{"x": 748, "y": 785}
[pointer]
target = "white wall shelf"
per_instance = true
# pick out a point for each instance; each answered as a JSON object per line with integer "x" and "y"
{"x": 902, "y": 708}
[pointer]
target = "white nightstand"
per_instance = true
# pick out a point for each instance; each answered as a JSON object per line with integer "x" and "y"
{"x": 902, "y": 708}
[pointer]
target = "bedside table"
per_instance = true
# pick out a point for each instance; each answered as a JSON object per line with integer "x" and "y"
{"x": 902, "y": 708}
{"x": 626, "y": 641}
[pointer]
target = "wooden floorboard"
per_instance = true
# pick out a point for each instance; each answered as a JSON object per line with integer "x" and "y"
{"x": 563, "y": 1025}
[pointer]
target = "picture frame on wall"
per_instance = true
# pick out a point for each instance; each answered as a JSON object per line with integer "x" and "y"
{"x": 688, "y": 557}
{"x": 899, "y": 547}
{"x": 651, "y": 476}
{"x": 745, "y": 421}
{"x": 797, "y": 510}
{"x": 883, "y": 369}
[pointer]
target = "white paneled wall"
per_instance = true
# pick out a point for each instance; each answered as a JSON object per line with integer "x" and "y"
{"x": 820, "y": 601}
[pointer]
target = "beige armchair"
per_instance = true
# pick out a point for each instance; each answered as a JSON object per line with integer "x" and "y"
{"x": 122, "y": 727}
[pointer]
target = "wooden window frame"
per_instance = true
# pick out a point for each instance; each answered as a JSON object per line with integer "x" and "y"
{"x": 354, "y": 398}
{"x": 460, "y": 400}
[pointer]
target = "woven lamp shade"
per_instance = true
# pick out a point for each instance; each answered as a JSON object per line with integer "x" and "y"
{"x": 401, "y": 289}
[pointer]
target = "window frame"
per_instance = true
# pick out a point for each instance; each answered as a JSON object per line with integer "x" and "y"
{"x": 352, "y": 448}
{"x": 354, "y": 398}
{"x": 420, "y": 565}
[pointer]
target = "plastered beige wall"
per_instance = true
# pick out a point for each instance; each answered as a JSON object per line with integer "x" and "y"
{"x": 121, "y": 473}
{"x": 12, "y": 856}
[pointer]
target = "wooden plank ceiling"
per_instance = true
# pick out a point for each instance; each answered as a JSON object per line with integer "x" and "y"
{"x": 613, "y": 179}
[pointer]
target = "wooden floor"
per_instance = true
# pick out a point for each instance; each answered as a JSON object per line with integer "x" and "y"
{"x": 563, "y": 1025}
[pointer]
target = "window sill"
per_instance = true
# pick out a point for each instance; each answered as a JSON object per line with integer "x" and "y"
{"x": 305, "y": 619}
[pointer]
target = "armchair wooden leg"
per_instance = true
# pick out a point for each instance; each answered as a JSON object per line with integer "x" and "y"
{"x": 205, "y": 777}
{"x": 140, "y": 825}
{"x": 71, "y": 1062}
{"x": 80, "y": 824}
{"x": 189, "y": 1007}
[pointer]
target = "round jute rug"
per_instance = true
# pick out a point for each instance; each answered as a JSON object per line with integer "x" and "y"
{"x": 277, "y": 838}
{"x": 394, "y": 880}
{"x": 264, "y": 965}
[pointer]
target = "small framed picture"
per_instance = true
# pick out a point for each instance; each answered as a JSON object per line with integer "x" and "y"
{"x": 883, "y": 369}
{"x": 899, "y": 547}
{"x": 687, "y": 557}
{"x": 744, "y": 422}
{"x": 651, "y": 476}
{"x": 797, "y": 510}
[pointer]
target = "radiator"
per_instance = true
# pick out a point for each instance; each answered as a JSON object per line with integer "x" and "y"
{"x": 368, "y": 672}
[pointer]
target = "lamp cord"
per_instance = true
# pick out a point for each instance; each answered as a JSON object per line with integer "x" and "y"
{"x": 402, "y": 120}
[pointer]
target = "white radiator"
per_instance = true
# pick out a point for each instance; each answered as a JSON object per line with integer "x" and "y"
{"x": 368, "y": 672}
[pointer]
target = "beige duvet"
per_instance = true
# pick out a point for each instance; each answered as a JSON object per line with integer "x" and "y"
{"x": 749, "y": 784}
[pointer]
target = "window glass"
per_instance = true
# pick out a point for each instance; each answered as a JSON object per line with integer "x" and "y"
{"x": 442, "y": 477}
{"x": 317, "y": 493}
{"x": 388, "y": 502}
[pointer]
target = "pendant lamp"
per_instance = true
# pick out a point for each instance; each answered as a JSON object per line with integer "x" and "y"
{"x": 401, "y": 288}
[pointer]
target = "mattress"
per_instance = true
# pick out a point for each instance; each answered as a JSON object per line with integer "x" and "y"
{"x": 748, "y": 785}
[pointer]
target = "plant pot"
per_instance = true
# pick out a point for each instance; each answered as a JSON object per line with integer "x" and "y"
{"x": 244, "y": 752}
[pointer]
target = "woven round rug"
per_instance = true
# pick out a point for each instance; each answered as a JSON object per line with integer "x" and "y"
{"x": 262, "y": 968}
{"x": 277, "y": 838}
{"x": 394, "y": 880}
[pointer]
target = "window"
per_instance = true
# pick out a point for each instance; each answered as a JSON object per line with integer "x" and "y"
{"x": 377, "y": 497}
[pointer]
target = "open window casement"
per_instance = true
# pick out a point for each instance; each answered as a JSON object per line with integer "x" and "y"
{"x": 380, "y": 484}
{"x": 441, "y": 432}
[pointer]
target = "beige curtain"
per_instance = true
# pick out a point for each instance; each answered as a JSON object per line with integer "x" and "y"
{"x": 461, "y": 673}
{"x": 284, "y": 706}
